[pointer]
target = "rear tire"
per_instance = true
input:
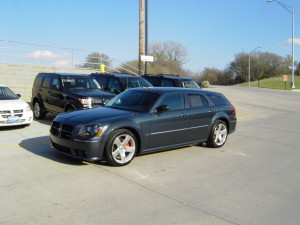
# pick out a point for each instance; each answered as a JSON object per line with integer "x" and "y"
{"x": 218, "y": 134}
{"x": 39, "y": 112}
{"x": 121, "y": 147}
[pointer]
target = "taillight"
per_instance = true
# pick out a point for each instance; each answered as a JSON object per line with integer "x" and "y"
{"x": 234, "y": 111}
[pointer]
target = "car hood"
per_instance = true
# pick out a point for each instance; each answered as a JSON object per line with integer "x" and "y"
{"x": 99, "y": 114}
{"x": 85, "y": 93}
{"x": 12, "y": 104}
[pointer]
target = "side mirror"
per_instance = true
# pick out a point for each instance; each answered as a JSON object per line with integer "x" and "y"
{"x": 19, "y": 95}
{"x": 163, "y": 108}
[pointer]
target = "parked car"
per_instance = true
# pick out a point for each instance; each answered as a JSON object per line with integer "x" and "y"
{"x": 143, "y": 120}
{"x": 13, "y": 110}
{"x": 164, "y": 80}
{"x": 62, "y": 92}
{"x": 119, "y": 82}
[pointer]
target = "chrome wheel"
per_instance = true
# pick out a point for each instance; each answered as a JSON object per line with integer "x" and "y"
{"x": 220, "y": 134}
{"x": 36, "y": 110}
{"x": 123, "y": 148}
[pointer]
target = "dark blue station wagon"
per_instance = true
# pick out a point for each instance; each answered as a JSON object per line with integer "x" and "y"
{"x": 142, "y": 120}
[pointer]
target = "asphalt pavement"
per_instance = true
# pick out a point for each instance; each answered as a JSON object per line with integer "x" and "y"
{"x": 253, "y": 179}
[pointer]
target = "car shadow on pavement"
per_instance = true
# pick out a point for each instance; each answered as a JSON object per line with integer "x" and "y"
{"x": 47, "y": 120}
{"x": 41, "y": 146}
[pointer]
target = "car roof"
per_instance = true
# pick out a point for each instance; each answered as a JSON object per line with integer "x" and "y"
{"x": 162, "y": 90}
{"x": 169, "y": 76}
{"x": 67, "y": 74}
{"x": 114, "y": 74}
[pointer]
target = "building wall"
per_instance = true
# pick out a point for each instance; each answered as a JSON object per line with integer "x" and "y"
{"x": 20, "y": 78}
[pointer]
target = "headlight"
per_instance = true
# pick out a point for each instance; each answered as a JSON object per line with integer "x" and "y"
{"x": 92, "y": 130}
{"x": 28, "y": 109}
{"x": 86, "y": 102}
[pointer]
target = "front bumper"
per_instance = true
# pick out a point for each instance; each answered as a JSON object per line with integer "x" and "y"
{"x": 83, "y": 149}
{"x": 25, "y": 119}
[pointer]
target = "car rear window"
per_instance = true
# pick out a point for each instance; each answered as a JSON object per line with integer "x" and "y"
{"x": 217, "y": 99}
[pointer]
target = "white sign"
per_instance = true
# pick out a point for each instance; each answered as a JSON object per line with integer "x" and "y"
{"x": 147, "y": 58}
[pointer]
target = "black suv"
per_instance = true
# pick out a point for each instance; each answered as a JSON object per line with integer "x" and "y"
{"x": 163, "y": 80}
{"x": 62, "y": 92}
{"x": 119, "y": 82}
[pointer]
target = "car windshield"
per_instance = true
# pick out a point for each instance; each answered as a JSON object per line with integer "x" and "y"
{"x": 133, "y": 82}
{"x": 6, "y": 93}
{"x": 188, "y": 84}
{"x": 140, "y": 101}
{"x": 79, "y": 83}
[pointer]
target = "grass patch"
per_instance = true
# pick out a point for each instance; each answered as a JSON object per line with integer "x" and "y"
{"x": 274, "y": 83}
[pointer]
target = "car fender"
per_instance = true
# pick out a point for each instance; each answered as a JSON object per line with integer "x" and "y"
{"x": 74, "y": 103}
{"x": 37, "y": 97}
{"x": 219, "y": 116}
{"x": 133, "y": 127}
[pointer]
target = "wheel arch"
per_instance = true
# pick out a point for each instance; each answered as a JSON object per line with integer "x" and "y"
{"x": 136, "y": 134}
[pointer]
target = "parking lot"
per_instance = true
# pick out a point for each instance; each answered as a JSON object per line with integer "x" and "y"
{"x": 253, "y": 179}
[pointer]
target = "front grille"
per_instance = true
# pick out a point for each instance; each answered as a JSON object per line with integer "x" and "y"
{"x": 7, "y": 113}
{"x": 61, "y": 130}
{"x": 96, "y": 102}
{"x": 66, "y": 131}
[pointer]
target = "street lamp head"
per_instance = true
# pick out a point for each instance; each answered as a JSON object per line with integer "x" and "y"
{"x": 269, "y": 1}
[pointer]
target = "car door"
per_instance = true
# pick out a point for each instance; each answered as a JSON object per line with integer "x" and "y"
{"x": 200, "y": 114}
{"x": 56, "y": 99}
{"x": 169, "y": 127}
{"x": 44, "y": 90}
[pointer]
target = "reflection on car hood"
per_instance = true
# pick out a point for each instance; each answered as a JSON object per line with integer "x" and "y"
{"x": 98, "y": 114}
{"x": 91, "y": 93}
{"x": 12, "y": 104}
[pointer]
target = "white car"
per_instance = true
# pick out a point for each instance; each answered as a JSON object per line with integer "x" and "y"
{"x": 13, "y": 110}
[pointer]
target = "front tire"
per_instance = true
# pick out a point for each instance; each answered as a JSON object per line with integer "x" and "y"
{"x": 218, "y": 134}
{"x": 38, "y": 110}
{"x": 121, "y": 147}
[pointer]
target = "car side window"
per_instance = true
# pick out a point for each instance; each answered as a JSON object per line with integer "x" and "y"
{"x": 197, "y": 101}
{"x": 55, "y": 84}
{"x": 114, "y": 85}
{"x": 167, "y": 83}
{"x": 217, "y": 99}
{"x": 155, "y": 81}
{"x": 38, "y": 80}
{"x": 102, "y": 80}
{"x": 174, "y": 101}
{"x": 46, "y": 82}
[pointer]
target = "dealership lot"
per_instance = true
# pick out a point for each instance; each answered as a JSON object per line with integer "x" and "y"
{"x": 253, "y": 179}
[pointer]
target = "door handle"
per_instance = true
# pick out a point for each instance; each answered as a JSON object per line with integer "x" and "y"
{"x": 183, "y": 114}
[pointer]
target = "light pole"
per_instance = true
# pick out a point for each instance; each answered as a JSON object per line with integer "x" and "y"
{"x": 250, "y": 65}
{"x": 290, "y": 10}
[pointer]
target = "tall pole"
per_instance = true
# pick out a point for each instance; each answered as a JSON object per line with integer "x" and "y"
{"x": 293, "y": 66}
{"x": 249, "y": 72}
{"x": 290, "y": 10}
{"x": 146, "y": 34}
{"x": 249, "y": 65}
{"x": 141, "y": 37}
